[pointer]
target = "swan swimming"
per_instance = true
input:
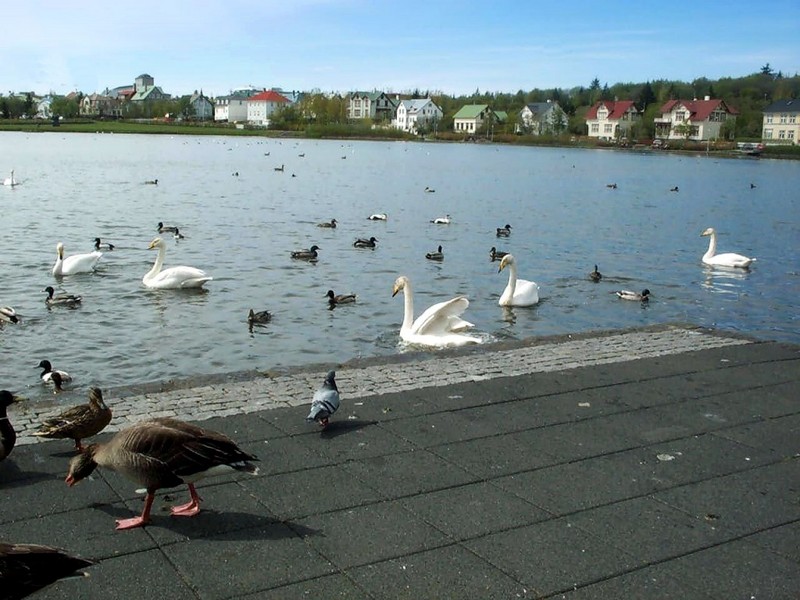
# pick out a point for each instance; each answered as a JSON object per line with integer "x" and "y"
{"x": 10, "y": 181}
{"x": 518, "y": 292}
{"x": 728, "y": 259}
{"x": 439, "y": 325}
{"x": 179, "y": 277}
{"x": 77, "y": 263}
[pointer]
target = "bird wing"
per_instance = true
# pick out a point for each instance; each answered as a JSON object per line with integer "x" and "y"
{"x": 443, "y": 317}
{"x": 324, "y": 404}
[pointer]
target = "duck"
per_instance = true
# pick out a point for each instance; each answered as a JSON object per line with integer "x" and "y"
{"x": 77, "y": 263}
{"x": 365, "y": 243}
{"x": 151, "y": 182}
{"x": 674, "y": 189}
{"x": 165, "y": 229}
{"x": 99, "y": 245}
{"x": 378, "y": 217}
{"x": 495, "y": 254}
{"x": 8, "y": 315}
{"x": 10, "y": 181}
{"x": 60, "y": 299}
{"x": 437, "y": 255}
{"x": 334, "y": 299}
{"x": 728, "y": 259}
{"x": 258, "y": 318}
{"x": 8, "y": 437}
{"x": 634, "y": 296}
{"x": 27, "y": 568}
{"x": 612, "y": 186}
{"x": 179, "y": 277}
{"x": 595, "y": 275}
{"x": 429, "y": 190}
{"x": 331, "y": 224}
{"x": 177, "y": 235}
{"x": 58, "y": 382}
{"x": 325, "y": 401}
{"x": 311, "y": 254}
{"x": 518, "y": 292}
{"x": 163, "y": 453}
{"x": 279, "y": 168}
{"x": 78, "y": 422}
{"x": 441, "y": 220}
{"x": 48, "y": 372}
{"x": 439, "y": 326}
{"x": 504, "y": 231}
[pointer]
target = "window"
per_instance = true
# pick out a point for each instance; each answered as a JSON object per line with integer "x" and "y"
{"x": 792, "y": 119}
{"x": 790, "y": 134}
{"x": 607, "y": 128}
{"x": 769, "y": 119}
{"x": 781, "y": 134}
{"x": 595, "y": 128}
{"x": 768, "y": 134}
{"x": 783, "y": 118}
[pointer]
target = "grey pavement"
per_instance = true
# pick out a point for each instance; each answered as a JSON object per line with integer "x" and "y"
{"x": 656, "y": 464}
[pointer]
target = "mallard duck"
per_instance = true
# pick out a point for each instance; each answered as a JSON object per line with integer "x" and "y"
{"x": 595, "y": 275}
{"x": 441, "y": 220}
{"x": 163, "y": 453}
{"x": 429, "y": 190}
{"x": 728, "y": 259}
{"x": 259, "y": 318}
{"x": 378, "y": 217}
{"x": 518, "y": 292}
{"x": 331, "y": 224}
{"x": 504, "y": 231}
{"x": 340, "y": 298}
{"x": 634, "y": 296}
{"x": 99, "y": 245}
{"x": 77, "y": 263}
{"x": 310, "y": 254}
{"x": 48, "y": 371}
{"x": 325, "y": 401}
{"x": 27, "y": 568}
{"x": 612, "y": 186}
{"x": 674, "y": 189}
{"x": 437, "y": 255}
{"x": 495, "y": 254}
{"x": 8, "y": 314}
{"x": 365, "y": 243}
{"x": 78, "y": 422}
{"x": 60, "y": 299}
{"x": 165, "y": 229}
{"x": 8, "y": 437}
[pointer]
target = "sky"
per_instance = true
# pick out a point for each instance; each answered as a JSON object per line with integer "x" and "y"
{"x": 454, "y": 47}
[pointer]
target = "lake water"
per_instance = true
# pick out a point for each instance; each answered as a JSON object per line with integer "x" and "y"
{"x": 241, "y": 229}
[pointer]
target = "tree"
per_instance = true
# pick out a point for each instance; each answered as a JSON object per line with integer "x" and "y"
{"x": 766, "y": 70}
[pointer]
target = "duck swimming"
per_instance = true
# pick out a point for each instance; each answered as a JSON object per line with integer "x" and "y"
{"x": 60, "y": 299}
{"x": 151, "y": 182}
{"x": 78, "y": 422}
{"x": 504, "y": 231}
{"x": 258, "y": 318}
{"x": 331, "y": 224}
{"x": 340, "y": 298}
{"x": 177, "y": 235}
{"x": 437, "y": 255}
{"x": 99, "y": 245}
{"x": 495, "y": 254}
{"x": 164, "y": 229}
{"x": 595, "y": 275}
{"x": 634, "y": 296}
{"x": 77, "y": 263}
{"x": 378, "y": 217}
{"x": 728, "y": 259}
{"x": 365, "y": 243}
{"x": 8, "y": 315}
{"x": 441, "y": 220}
{"x": 48, "y": 372}
{"x": 310, "y": 254}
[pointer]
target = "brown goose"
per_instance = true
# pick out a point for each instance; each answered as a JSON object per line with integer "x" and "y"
{"x": 8, "y": 437}
{"x": 78, "y": 422}
{"x": 26, "y": 568}
{"x": 163, "y": 453}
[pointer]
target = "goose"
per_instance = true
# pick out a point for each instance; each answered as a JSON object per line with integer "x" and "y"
{"x": 429, "y": 190}
{"x": 77, "y": 263}
{"x": 60, "y": 299}
{"x": 279, "y": 168}
{"x": 8, "y": 315}
{"x": 179, "y": 277}
{"x": 48, "y": 373}
{"x": 378, "y": 217}
{"x": 151, "y": 182}
{"x": 439, "y": 326}
{"x": 504, "y": 231}
{"x": 165, "y": 229}
{"x": 518, "y": 292}
{"x": 258, "y": 318}
{"x": 441, "y": 220}
{"x": 334, "y": 299}
{"x": 634, "y": 296}
{"x": 99, "y": 245}
{"x": 325, "y": 401}
{"x": 10, "y": 181}
{"x": 27, "y": 568}
{"x": 495, "y": 254}
{"x": 728, "y": 259}
{"x": 163, "y": 453}
{"x": 365, "y": 243}
{"x": 310, "y": 254}
{"x": 8, "y": 437}
{"x": 331, "y": 224}
{"x": 595, "y": 275}
{"x": 437, "y": 255}
{"x": 177, "y": 235}
{"x": 78, "y": 422}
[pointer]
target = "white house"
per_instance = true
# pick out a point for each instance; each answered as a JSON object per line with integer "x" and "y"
{"x": 693, "y": 119}
{"x": 471, "y": 117}
{"x": 609, "y": 120}
{"x": 410, "y": 113}
{"x": 261, "y": 106}
{"x": 233, "y": 107}
{"x": 782, "y": 122}
{"x": 539, "y": 118}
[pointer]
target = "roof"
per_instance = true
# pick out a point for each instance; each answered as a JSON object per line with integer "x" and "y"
{"x": 616, "y": 108}
{"x": 147, "y": 92}
{"x": 541, "y": 107}
{"x": 267, "y": 96}
{"x": 370, "y": 95}
{"x": 782, "y": 106}
{"x": 471, "y": 111}
{"x": 417, "y": 104}
{"x": 699, "y": 110}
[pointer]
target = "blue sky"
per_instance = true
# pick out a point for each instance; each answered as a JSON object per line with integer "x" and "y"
{"x": 342, "y": 45}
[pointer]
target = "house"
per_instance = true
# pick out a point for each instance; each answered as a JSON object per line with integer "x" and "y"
{"x": 100, "y": 105}
{"x": 540, "y": 118}
{"x": 693, "y": 119}
{"x": 782, "y": 122}
{"x": 145, "y": 90}
{"x": 262, "y": 105}
{"x": 411, "y": 113}
{"x": 370, "y": 105}
{"x": 471, "y": 117}
{"x": 611, "y": 120}
{"x": 233, "y": 107}
{"x": 202, "y": 107}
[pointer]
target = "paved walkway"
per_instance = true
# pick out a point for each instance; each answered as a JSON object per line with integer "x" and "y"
{"x": 653, "y": 464}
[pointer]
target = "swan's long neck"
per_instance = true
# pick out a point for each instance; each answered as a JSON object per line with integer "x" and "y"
{"x": 512, "y": 277}
{"x": 158, "y": 264}
{"x": 408, "y": 304}
{"x": 712, "y": 246}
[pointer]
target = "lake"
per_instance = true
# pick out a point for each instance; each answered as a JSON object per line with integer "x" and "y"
{"x": 241, "y": 219}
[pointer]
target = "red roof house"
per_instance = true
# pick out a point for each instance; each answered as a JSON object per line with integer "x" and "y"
{"x": 693, "y": 119}
{"x": 610, "y": 120}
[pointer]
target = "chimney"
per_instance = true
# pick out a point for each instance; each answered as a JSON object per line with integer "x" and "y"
{"x": 706, "y": 98}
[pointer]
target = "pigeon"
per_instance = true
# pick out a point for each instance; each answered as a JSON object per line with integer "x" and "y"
{"x": 325, "y": 402}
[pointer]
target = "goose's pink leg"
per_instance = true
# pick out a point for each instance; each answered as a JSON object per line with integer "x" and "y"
{"x": 189, "y": 509}
{"x": 141, "y": 520}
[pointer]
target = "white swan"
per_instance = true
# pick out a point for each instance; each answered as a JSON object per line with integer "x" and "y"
{"x": 10, "y": 181}
{"x": 77, "y": 263}
{"x": 378, "y": 217}
{"x": 438, "y": 326}
{"x": 441, "y": 220}
{"x": 174, "y": 277}
{"x": 728, "y": 259}
{"x": 518, "y": 292}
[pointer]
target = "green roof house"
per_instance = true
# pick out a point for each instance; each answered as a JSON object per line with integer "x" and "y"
{"x": 471, "y": 117}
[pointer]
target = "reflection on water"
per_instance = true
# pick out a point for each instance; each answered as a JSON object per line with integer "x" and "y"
{"x": 242, "y": 229}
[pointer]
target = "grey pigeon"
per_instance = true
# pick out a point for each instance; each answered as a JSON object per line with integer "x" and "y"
{"x": 325, "y": 402}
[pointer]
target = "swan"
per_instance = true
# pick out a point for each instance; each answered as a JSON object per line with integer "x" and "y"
{"x": 728, "y": 259}
{"x": 165, "y": 229}
{"x": 331, "y": 225}
{"x": 310, "y": 254}
{"x": 60, "y": 299}
{"x": 378, "y": 217}
{"x": 439, "y": 325}
{"x": 442, "y": 220}
{"x": 634, "y": 296}
{"x": 10, "y": 181}
{"x": 77, "y": 263}
{"x": 495, "y": 254}
{"x": 518, "y": 292}
{"x": 365, "y": 243}
{"x": 595, "y": 275}
{"x": 504, "y": 231}
{"x": 99, "y": 245}
{"x": 8, "y": 315}
{"x": 340, "y": 298}
{"x": 174, "y": 277}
